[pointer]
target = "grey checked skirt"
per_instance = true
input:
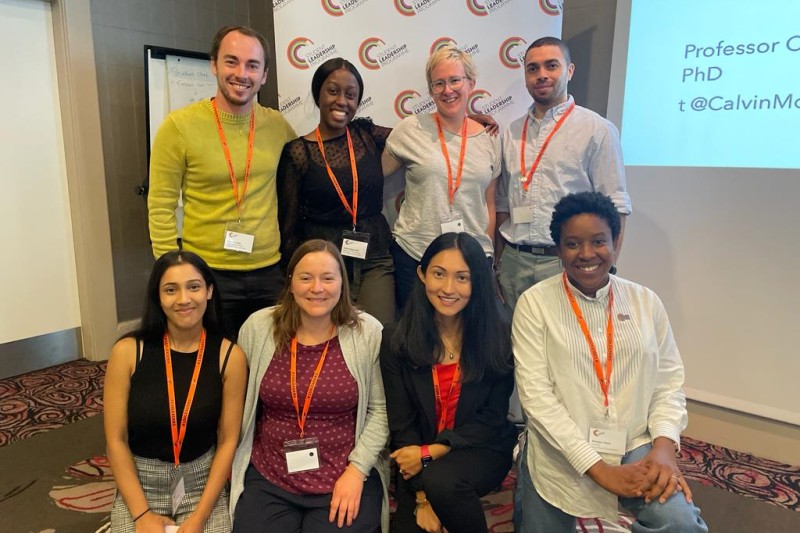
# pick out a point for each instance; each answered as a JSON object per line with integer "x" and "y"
{"x": 157, "y": 477}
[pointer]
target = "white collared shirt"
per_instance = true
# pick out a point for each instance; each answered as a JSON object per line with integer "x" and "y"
{"x": 584, "y": 155}
{"x": 560, "y": 392}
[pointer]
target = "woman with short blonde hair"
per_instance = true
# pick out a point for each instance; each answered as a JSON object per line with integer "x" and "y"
{"x": 451, "y": 168}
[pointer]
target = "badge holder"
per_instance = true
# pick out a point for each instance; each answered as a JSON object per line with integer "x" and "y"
{"x": 453, "y": 223}
{"x": 177, "y": 490}
{"x": 354, "y": 244}
{"x": 237, "y": 239}
{"x": 302, "y": 455}
{"x": 522, "y": 214}
{"x": 608, "y": 438}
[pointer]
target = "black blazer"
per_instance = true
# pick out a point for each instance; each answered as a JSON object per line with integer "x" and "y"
{"x": 481, "y": 416}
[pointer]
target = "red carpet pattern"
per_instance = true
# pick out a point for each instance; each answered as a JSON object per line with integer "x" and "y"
{"x": 48, "y": 399}
{"x": 741, "y": 473}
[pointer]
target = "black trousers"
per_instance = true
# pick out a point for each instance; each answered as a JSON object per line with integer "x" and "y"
{"x": 405, "y": 272}
{"x": 454, "y": 485}
{"x": 265, "y": 507}
{"x": 245, "y": 292}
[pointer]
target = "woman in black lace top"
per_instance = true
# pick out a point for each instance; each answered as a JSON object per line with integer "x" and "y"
{"x": 320, "y": 196}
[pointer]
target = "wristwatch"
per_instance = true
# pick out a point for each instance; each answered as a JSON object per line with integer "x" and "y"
{"x": 425, "y": 455}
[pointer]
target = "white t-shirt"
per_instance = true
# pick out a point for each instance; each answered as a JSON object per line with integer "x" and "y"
{"x": 415, "y": 143}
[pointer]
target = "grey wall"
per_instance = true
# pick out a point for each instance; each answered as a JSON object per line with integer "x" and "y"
{"x": 121, "y": 28}
{"x": 588, "y": 29}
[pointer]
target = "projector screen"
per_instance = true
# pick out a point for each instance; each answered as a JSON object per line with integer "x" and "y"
{"x": 711, "y": 152}
{"x": 713, "y": 84}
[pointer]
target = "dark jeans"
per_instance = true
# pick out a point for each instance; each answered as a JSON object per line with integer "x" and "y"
{"x": 405, "y": 272}
{"x": 263, "y": 506}
{"x": 245, "y": 292}
{"x": 454, "y": 485}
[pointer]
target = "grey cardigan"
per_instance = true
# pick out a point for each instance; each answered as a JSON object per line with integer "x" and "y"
{"x": 360, "y": 349}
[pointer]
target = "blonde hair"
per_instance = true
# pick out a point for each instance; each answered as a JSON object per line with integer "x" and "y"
{"x": 287, "y": 317}
{"x": 449, "y": 52}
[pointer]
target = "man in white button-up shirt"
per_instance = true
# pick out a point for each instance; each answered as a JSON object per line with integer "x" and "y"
{"x": 556, "y": 148}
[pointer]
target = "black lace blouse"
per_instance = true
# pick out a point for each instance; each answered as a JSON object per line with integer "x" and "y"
{"x": 309, "y": 206}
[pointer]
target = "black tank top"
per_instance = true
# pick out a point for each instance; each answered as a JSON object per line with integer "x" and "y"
{"x": 149, "y": 432}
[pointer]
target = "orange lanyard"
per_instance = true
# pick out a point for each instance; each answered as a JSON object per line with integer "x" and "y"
{"x": 529, "y": 177}
{"x": 178, "y": 436}
{"x": 444, "y": 403}
{"x": 250, "y": 139}
{"x": 301, "y": 419}
{"x": 352, "y": 210}
{"x": 451, "y": 187}
{"x": 605, "y": 380}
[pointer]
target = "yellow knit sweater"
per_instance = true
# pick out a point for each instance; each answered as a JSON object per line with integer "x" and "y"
{"x": 187, "y": 156}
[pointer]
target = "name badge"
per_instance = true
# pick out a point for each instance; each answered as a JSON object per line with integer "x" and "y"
{"x": 238, "y": 240}
{"x": 355, "y": 244}
{"x": 453, "y": 223}
{"x": 608, "y": 440}
{"x": 178, "y": 491}
{"x": 522, "y": 214}
{"x": 302, "y": 455}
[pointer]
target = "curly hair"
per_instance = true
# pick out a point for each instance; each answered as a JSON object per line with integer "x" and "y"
{"x": 579, "y": 203}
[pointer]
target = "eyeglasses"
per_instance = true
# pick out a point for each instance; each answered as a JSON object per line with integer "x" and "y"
{"x": 454, "y": 82}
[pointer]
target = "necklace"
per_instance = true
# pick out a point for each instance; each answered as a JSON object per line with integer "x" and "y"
{"x": 450, "y": 352}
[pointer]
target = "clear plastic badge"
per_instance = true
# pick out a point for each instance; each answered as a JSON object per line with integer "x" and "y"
{"x": 454, "y": 223}
{"x": 177, "y": 492}
{"x": 238, "y": 240}
{"x": 354, "y": 244}
{"x": 302, "y": 455}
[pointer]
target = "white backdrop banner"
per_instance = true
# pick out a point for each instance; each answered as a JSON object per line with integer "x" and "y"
{"x": 389, "y": 42}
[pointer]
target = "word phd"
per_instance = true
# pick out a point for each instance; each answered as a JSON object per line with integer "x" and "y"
{"x": 722, "y": 49}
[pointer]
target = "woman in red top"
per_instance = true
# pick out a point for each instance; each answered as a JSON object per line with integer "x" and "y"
{"x": 447, "y": 374}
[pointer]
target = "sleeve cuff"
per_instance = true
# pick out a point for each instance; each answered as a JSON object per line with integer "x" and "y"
{"x": 667, "y": 431}
{"x": 583, "y": 457}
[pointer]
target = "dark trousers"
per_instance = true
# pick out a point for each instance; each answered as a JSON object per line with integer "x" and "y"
{"x": 405, "y": 274}
{"x": 454, "y": 485}
{"x": 245, "y": 292}
{"x": 263, "y": 506}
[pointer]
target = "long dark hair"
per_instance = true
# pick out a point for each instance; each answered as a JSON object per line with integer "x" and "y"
{"x": 486, "y": 340}
{"x": 154, "y": 321}
{"x": 287, "y": 317}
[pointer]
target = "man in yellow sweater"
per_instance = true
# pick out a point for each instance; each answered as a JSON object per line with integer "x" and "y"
{"x": 222, "y": 154}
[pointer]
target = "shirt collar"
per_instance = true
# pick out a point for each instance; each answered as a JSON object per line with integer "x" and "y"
{"x": 601, "y": 294}
{"x": 554, "y": 112}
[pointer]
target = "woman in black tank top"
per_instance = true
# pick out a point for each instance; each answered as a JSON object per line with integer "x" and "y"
{"x": 174, "y": 394}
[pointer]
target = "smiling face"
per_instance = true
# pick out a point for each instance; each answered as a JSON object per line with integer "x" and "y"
{"x": 316, "y": 284}
{"x": 448, "y": 283}
{"x": 338, "y": 101}
{"x": 587, "y": 252}
{"x": 451, "y": 103}
{"x": 547, "y": 75}
{"x": 240, "y": 72}
{"x": 184, "y": 296}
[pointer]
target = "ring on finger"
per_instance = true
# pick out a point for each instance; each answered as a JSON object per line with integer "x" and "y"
{"x": 402, "y": 471}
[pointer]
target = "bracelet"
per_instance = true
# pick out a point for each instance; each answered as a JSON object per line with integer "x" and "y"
{"x": 141, "y": 515}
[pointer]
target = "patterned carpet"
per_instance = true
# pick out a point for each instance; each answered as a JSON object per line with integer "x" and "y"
{"x": 48, "y": 399}
{"x": 741, "y": 473}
